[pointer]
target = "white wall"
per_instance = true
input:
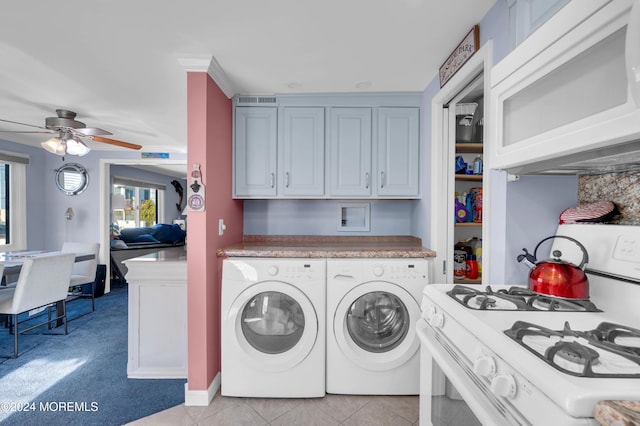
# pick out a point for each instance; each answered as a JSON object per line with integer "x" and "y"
{"x": 86, "y": 206}
{"x": 47, "y": 227}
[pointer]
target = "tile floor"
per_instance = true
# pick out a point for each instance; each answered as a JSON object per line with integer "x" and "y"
{"x": 352, "y": 410}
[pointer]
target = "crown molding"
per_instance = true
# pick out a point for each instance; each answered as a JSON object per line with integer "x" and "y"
{"x": 211, "y": 67}
{"x": 218, "y": 75}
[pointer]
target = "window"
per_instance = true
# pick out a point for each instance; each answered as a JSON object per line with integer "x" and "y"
{"x": 136, "y": 204}
{"x": 5, "y": 204}
{"x": 13, "y": 215}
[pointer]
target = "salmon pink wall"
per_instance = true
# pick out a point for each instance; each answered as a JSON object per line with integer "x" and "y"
{"x": 210, "y": 145}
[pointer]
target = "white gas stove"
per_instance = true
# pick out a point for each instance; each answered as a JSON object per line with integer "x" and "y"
{"x": 496, "y": 355}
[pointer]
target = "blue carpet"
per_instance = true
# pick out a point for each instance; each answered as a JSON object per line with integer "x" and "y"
{"x": 80, "y": 378}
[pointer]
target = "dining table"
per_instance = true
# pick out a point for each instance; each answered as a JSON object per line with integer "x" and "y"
{"x": 13, "y": 261}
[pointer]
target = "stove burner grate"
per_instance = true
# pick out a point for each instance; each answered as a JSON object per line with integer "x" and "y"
{"x": 566, "y": 345}
{"x": 516, "y": 299}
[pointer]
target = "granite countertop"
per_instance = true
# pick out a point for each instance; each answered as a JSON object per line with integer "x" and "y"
{"x": 317, "y": 246}
{"x": 623, "y": 413}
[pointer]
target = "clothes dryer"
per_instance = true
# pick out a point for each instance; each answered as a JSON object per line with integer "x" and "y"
{"x": 372, "y": 308}
{"x": 273, "y": 327}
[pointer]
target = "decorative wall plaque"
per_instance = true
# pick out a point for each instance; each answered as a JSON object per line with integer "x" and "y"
{"x": 461, "y": 54}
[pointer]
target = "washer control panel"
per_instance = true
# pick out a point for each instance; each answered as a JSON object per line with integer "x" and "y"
{"x": 396, "y": 269}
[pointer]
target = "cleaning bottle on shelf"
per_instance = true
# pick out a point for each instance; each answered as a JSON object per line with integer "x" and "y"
{"x": 460, "y": 252}
{"x": 472, "y": 267}
{"x": 462, "y": 214}
{"x": 477, "y": 252}
{"x": 469, "y": 205}
{"x": 477, "y": 165}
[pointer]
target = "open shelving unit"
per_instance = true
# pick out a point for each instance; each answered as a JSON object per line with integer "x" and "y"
{"x": 463, "y": 183}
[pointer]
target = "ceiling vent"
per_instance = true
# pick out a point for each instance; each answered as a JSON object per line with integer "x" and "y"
{"x": 256, "y": 101}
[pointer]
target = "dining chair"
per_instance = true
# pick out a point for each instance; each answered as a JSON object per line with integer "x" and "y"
{"x": 84, "y": 272}
{"x": 43, "y": 281}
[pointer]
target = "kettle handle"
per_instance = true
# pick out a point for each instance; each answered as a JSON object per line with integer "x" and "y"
{"x": 585, "y": 255}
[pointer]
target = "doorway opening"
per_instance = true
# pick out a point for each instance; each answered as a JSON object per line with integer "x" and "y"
{"x": 176, "y": 168}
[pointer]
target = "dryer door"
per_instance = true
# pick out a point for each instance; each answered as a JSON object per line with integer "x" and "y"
{"x": 276, "y": 326}
{"x": 374, "y": 325}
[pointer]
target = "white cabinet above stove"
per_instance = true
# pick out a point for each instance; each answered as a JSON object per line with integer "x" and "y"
{"x": 567, "y": 100}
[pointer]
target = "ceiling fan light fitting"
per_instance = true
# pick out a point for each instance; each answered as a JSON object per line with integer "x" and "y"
{"x": 76, "y": 147}
{"x": 52, "y": 145}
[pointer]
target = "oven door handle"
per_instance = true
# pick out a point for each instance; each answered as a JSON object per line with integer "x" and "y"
{"x": 477, "y": 395}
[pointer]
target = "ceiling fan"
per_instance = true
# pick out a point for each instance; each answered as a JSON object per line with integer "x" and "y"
{"x": 68, "y": 134}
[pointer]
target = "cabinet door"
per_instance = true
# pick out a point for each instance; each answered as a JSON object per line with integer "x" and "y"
{"x": 302, "y": 139}
{"x": 397, "y": 174}
{"x": 255, "y": 152}
{"x": 350, "y": 152}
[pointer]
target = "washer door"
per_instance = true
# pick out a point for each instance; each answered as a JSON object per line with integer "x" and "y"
{"x": 374, "y": 325}
{"x": 276, "y": 326}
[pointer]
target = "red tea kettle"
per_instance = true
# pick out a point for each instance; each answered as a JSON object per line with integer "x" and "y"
{"x": 556, "y": 277}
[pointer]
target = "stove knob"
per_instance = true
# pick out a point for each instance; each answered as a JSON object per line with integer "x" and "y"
{"x": 504, "y": 385}
{"x": 429, "y": 312}
{"x": 273, "y": 270}
{"x": 484, "y": 366}
{"x": 437, "y": 320}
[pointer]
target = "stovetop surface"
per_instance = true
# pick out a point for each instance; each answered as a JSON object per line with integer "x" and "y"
{"x": 515, "y": 298}
{"x": 575, "y": 394}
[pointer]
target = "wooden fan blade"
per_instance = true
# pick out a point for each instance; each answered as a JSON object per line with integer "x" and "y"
{"x": 115, "y": 142}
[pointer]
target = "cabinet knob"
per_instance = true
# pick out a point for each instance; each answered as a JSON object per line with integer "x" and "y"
{"x": 366, "y": 180}
{"x": 382, "y": 182}
{"x": 286, "y": 179}
{"x": 272, "y": 180}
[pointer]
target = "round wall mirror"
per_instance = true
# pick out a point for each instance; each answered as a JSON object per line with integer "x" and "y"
{"x": 72, "y": 178}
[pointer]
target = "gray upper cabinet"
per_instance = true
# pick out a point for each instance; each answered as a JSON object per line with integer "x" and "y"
{"x": 350, "y": 152}
{"x": 398, "y": 152}
{"x": 327, "y": 146}
{"x": 255, "y": 153}
{"x": 302, "y": 152}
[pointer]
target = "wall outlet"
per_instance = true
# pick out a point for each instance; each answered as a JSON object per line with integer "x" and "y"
{"x": 221, "y": 226}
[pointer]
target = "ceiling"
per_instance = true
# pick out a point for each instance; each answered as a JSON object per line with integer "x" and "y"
{"x": 120, "y": 64}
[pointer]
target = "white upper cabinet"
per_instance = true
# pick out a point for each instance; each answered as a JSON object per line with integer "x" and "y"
{"x": 350, "y": 152}
{"x": 398, "y": 152}
{"x": 302, "y": 152}
{"x": 563, "y": 94}
{"x": 526, "y": 16}
{"x": 255, "y": 152}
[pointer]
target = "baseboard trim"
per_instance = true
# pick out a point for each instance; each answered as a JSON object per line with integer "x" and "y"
{"x": 201, "y": 398}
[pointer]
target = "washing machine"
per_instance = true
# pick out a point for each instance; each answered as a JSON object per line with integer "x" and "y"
{"x": 372, "y": 309}
{"x": 273, "y": 327}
